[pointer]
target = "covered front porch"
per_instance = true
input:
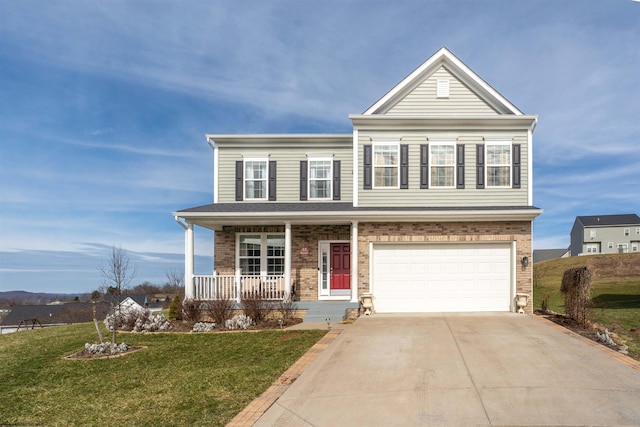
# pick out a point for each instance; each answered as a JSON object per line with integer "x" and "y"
{"x": 295, "y": 257}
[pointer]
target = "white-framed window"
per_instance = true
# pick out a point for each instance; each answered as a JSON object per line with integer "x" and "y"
{"x": 592, "y": 234}
{"x": 635, "y": 246}
{"x": 442, "y": 88}
{"x": 386, "y": 165}
{"x": 627, "y": 232}
{"x": 623, "y": 248}
{"x": 638, "y": 231}
{"x": 320, "y": 178}
{"x": 260, "y": 254}
{"x": 255, "y": 179}
{"x": 442, "y": 159}
{"x": 593, "y": 248}
{"x": 498, "y": 167}
{"x": 610, "y": 245}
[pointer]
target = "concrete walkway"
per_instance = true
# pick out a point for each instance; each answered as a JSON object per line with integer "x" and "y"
{"x": 459, "y": 369}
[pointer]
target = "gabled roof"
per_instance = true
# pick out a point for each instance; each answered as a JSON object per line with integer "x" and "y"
{"x": 608, "y": 220}
{"x": 444, "y": 57}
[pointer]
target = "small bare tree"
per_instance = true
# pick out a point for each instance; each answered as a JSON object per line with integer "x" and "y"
{"x": 117, "y": 273}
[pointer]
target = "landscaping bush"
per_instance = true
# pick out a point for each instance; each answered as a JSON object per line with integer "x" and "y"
{"x": 256, "y": 307}
{"x": 286, "y": 308}
{"x": 137, "y": 320}
{"x": 220, "y": 310}
{"x": 175, "y": 309}
{"x": 576, "y": 288}
{"x": 203, "y": 327}
{"x": 192, "y": 310}
{"x": 239, "y": 321}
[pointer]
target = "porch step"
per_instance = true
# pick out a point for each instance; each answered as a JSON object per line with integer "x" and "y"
{"x": 319, "y": 311}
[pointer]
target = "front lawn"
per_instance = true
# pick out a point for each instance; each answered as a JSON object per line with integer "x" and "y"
{"x": 179, "y": 379}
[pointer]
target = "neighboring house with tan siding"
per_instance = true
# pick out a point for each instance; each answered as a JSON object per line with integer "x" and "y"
{"x": 427, "y": 204}
{"x": 605, "y": 234}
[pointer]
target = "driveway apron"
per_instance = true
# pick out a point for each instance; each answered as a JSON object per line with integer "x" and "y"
{"x": 459, "y": 369}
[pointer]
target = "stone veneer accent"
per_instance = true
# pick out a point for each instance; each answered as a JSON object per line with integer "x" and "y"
{"x": 304, "y": 263}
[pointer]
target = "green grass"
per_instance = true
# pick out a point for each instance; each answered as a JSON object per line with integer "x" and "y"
{"x": 179, "y": 379}
{"x": 615, "y": 291}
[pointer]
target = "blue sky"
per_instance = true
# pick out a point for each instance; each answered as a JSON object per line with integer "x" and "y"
{"x": 104, "y": 107}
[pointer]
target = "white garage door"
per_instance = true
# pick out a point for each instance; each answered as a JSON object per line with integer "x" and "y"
{"x": 441, "y": 277}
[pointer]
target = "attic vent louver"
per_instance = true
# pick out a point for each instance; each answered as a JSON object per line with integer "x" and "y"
{"x": 442, "y": 89}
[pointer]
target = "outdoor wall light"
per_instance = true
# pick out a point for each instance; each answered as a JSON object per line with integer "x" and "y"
{"x": 524, "y": 261}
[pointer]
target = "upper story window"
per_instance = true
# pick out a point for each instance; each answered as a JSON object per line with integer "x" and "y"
{"x": 255, "y": 179}
{"x": 638, "y": 230}
{"x": 626, "y": 232}
{"x": 386, "y": 162}
{"x": 443, "y": 161}
{"x": 320, "y": 177}
{"x": 592, "y": 234}
{"x": 498, "y": 164}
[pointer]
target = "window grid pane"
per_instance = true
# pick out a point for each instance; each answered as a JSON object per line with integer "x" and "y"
{"x": 442, "y": 165}
{"x": 255, "y": 178}
{"x": 320, "y": 179}
{"x": 386, "y": 162}
{"x": 499, "y": 165}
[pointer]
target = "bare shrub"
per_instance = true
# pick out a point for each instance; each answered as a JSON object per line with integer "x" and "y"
{"x": 256, "y": 307}
{"x": 191, "y": 310}
{"x": 286, "y": 308}
{"x": 576, "y": 288}
{"x": 544, "y": 304}
{"x": 220, "y": 310}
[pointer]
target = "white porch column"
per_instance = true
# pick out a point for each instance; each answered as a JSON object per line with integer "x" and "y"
{"x": 287, "y": 259}
{"x": 354, "y": 261}
{"x": 189, "y": 290}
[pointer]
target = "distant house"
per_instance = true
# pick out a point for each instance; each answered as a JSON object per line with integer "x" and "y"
{"x": 547, "y": 254}
{"x": 605, "y": 234}
{"x": 140, "y": 301}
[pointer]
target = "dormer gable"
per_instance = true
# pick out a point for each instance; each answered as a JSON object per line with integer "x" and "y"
{"x": 442, "y": 86}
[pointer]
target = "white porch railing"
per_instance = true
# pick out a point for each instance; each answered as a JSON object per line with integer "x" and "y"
{"x": 236, "y": 287}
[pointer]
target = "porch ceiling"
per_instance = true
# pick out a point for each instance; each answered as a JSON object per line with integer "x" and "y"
{"x": 215, "y": 216}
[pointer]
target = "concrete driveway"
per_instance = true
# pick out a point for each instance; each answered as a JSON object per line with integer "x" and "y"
{"x": 459, "y": 369}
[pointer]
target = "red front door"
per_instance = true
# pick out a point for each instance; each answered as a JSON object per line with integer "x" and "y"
{"x": 340, "y": 266}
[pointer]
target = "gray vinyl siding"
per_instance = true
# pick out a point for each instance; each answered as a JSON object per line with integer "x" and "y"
{"x": 288, "y": 169}
{"x": 422, "y": 100}
{"x": 604, "y": 236}
{"x": 469, "y": 196}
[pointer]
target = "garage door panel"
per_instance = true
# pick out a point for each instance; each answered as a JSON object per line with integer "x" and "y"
{"x": 441, "y": 277}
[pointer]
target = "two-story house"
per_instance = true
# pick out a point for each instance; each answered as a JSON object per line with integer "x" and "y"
{"x": 426, "y": 204}
{"x": 605, "y": 234}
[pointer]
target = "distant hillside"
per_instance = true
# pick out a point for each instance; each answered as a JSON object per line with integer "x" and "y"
{"x": 24, "y": 297}
{"x": 610, "y": 268}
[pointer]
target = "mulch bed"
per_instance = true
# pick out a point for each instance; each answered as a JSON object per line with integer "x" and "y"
{"x": 572, "y": 325}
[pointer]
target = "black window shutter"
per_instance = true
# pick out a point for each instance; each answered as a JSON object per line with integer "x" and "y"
{"x": 368, "y": 166}
{"x": 424, "y": 166}
{"x": 404, "y": 166}
{"x": 460, "y": 165}
{"x": 336, "y": 180}
{"x": 516, "y": 166}
{"x": 272, "y": 180}
{"x": 303, "y": 179}
{"x": 239, "y": 183}
{"x": 480, "y": 166}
